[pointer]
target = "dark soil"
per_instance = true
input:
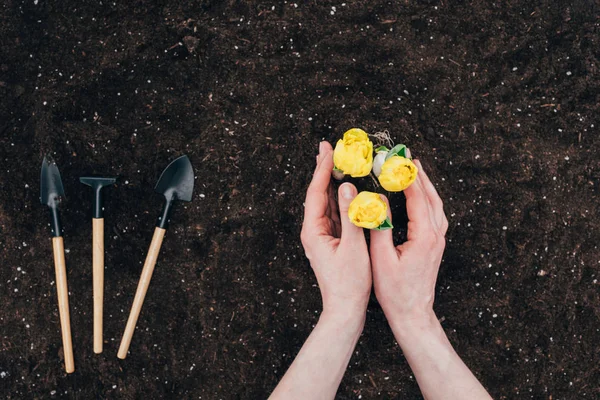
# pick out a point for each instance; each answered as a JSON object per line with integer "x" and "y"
{"x": 500, "y": 100}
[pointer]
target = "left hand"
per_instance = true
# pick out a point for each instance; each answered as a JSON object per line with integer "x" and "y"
{"x": 405, "y": 275}
{"x": 335, "y": 247}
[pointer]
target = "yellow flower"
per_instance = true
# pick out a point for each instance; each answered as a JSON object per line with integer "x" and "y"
{"x": 397, "y": 173}
{"x": 367, "y": 210}
{"x": 353, "y": 154}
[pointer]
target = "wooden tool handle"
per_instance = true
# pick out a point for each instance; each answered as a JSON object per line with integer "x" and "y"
{"x": 140, "y": 293}
{"x": 98, "y": 276}
{"x": 63, "y": 301}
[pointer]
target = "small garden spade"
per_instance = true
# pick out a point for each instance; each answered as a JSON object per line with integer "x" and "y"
{"x": 175, "y": 183}
{"x": 97, "y": 183}
{"x": 52, "y": 192}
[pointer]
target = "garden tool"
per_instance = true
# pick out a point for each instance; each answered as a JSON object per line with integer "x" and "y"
{"x": 175, "y": 183}
{"x": 52, "y": 192}
{"x": 97, "y": 183}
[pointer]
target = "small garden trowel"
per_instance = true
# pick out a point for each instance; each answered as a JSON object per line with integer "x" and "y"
{"x": 97, "y": 183}
{"x": 52, "y": 192}
{"x": 175, "y": 183}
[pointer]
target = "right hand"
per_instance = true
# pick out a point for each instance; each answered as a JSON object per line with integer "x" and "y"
{"x": 336, "y": 248}
{"x": 404, "y": 276}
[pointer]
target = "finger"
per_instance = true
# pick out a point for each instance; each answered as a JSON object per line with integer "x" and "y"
{"x": 317, "y": 198}
{"x": 417, "y": 208}
{"x": 437, "y": 205}
{"x": 419, "y": 181}
{"x": 351, "y": 233}
{"x": 382, "y": 242}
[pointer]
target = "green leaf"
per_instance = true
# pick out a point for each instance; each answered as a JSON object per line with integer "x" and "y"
{"x": 387, "y": 224}
{"x": 381, "y": 148}
{"x": 398, "y": 150}
{"x": 337, "y": 169}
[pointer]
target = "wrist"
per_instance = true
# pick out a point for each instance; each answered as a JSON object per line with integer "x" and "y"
{"x": 351, "y": 320}
{"x": 409, "y": 328}
{"x": 346, "y": 309}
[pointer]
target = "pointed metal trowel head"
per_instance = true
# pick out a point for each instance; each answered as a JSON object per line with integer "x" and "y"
{"x": 52, "y": 191}
{"x": 175, "y": 183}
{"x": 177, "y": 180}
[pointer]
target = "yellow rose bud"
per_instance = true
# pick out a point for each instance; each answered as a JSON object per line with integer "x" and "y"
{"x": 353, "y": 154}
{"x": 397, "y": 173}
{"x": 367, "y": 210}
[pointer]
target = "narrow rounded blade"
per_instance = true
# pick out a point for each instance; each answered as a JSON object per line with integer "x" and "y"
{"x": 51, "y": 185}
{"x": 177, "y": 180}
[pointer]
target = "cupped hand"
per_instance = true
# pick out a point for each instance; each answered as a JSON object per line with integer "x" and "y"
{"x": 336, "y": 248}
{"x": 404, "y": 276}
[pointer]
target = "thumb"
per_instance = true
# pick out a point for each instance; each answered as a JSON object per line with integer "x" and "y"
{"x": 382, "y": 242}
{"x": 350, "y": 232}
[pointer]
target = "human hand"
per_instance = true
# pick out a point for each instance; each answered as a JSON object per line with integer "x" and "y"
{"x": 404, "y": 276}
{"x": 336, "y": 248}
{"x": 338, "y": 255}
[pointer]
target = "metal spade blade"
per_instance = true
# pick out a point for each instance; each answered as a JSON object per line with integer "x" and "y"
{"x": 176, "y": 183}
{"x": 177, "y": 180}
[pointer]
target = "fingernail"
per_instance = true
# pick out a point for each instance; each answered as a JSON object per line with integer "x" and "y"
{"x": 347, "y": 191}
{"x": 407, "y": 152}
{"x": 321, "y": 147}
